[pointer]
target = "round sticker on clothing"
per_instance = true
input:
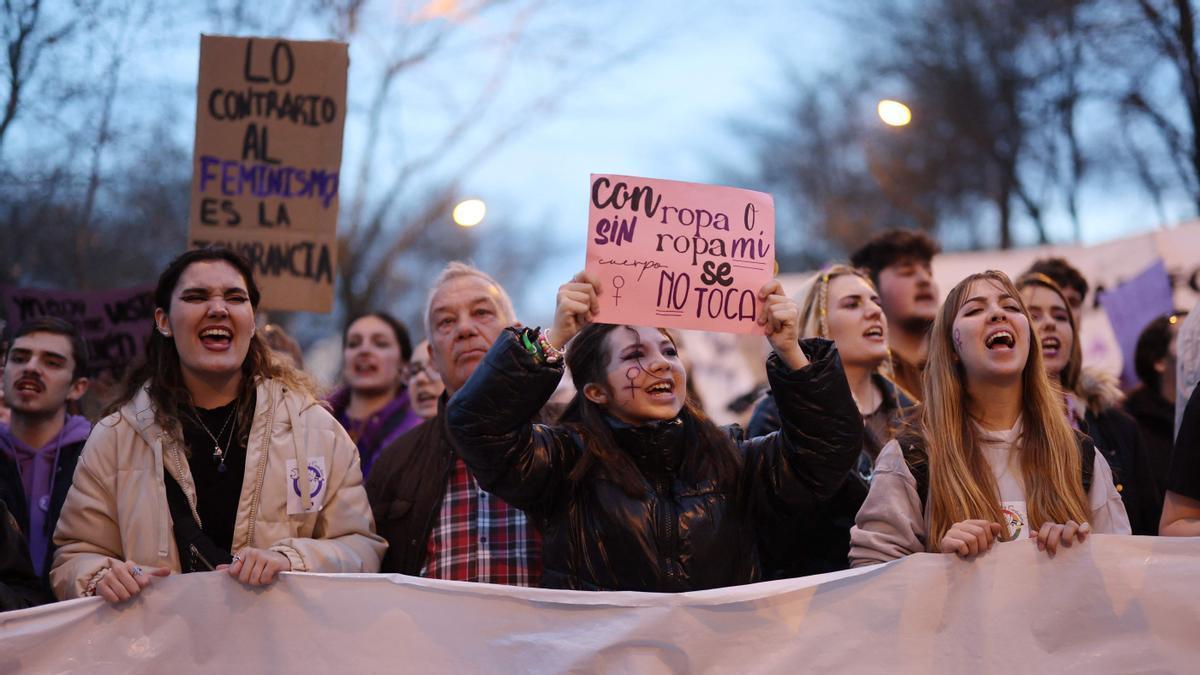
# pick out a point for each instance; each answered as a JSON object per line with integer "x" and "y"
{"x": 1014, "y": 518}
{"x": 317, "y": 479}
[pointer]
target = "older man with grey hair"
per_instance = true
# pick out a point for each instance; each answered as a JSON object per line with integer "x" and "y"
{"x": 437, "y": 520}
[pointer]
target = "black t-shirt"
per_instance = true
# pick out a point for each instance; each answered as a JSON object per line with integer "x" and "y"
{"x": 1185, "y": 461}
{"x": 217, "y": 492}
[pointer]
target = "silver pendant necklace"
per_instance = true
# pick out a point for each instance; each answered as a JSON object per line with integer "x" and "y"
{"x": 218, "y": 452}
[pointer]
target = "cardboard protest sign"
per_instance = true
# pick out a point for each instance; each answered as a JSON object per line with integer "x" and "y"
{"x": 266, "y": 166}
{"x": 115, "y": 324}
{"x": 679, "y": 255}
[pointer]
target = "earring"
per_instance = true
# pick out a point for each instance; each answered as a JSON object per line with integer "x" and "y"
{"x": 165, "y": 332}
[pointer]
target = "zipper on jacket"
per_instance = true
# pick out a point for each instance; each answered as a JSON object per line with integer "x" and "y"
{"x": 197, "y": 556}
{"x": 191, "y": 500}
{"x": 666, "y": 528}
{"x": 262, "y": 472}
{"x": 423, "y": 547}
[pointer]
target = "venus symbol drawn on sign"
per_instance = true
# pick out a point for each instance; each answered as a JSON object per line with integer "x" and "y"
{"x": 618, "y": 286}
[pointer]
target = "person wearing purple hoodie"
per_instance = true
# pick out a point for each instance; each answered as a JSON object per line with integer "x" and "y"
{"x": 46, "y": 369}
{"x": 374, "y": 406}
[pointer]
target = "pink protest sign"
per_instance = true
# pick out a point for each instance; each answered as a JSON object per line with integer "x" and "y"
{"x": 679, "y": 255}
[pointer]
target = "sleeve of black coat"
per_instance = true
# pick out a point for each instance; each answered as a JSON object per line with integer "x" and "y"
{"x": 820, "y": 434}
{"x": 20, "y": 587}
{"x": 765, "y": 417}
{"x": 490, "y": 421}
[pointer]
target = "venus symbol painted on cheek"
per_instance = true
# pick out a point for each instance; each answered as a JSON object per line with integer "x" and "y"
{"x": 957, "y": 340}
{"x": 632, "y": 375}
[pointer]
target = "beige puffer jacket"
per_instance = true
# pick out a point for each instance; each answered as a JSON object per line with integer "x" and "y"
{"x": 117, "y": 506}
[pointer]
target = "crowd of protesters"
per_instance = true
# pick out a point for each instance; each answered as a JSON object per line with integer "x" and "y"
{"x": 893, "y": 425}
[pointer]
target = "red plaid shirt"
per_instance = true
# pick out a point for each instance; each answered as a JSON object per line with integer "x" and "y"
{"x": 478, "y": 537}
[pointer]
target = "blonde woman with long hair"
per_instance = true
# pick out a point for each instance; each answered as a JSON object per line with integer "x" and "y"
{"x": 839, "y": 303}
{"x": 991, "y": 456}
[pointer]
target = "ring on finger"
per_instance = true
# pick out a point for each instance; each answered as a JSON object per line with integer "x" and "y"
{"x": 137, "y": 570}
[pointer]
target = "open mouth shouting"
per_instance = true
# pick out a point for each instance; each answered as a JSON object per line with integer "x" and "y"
{"x": 663, "y": 390}
{"x": 875, "y": 333}
{"x": 1051, "y": 346}
{"x": 1002, "y": 339}
{"x": 365, "y": 367}
{"x": 29, "y": 385}
{"x": 216, "y": 338}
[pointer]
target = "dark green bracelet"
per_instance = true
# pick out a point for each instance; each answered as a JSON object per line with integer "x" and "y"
{"x": 530, "y": 344}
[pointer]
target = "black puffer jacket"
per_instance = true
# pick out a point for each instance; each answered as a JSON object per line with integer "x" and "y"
{"x": 683, "y": 532}
{"x": 819, "y": 541}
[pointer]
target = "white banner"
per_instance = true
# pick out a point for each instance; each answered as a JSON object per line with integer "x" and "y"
{"x": 1113, "y": 605}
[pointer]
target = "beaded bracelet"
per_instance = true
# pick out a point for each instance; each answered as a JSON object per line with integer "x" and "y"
{"x": 551, "y": 353}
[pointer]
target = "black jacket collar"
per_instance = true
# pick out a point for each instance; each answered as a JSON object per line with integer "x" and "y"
{"x": 656, "y": 447}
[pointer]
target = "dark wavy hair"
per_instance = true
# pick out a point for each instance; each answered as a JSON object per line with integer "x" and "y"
{"x": 1062, "y": 272}
{"x": 159, "y": 369}
{"x": 397, "y": 326}
{"x": 892, "y": 247}
{"x": 710, "y": 452}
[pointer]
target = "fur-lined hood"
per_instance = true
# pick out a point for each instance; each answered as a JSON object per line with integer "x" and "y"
{"x": 1099, "y": 390}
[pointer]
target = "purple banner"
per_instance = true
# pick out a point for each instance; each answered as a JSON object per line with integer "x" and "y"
{"x": 1132, "y": 305}
{"x": 115, "y": 324}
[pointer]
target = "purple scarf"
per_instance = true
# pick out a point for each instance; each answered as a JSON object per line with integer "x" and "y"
{"x": 377, "y": 431}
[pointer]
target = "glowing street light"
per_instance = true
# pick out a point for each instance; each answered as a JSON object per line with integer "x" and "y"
{"x": 894, "y": 113}
{"x": 470, "y": 212}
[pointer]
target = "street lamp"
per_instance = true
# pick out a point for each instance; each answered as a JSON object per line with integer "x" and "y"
{"x": 469, "y": 212}
{"x": 894, "y": 113}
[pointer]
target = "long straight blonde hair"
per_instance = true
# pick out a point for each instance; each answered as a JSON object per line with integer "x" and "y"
{"x": 961, "y": 485}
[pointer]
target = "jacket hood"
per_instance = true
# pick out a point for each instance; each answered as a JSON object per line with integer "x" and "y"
{"x": 1099, "y": 389}
{"x": 139, "y": 411}
{"x": 75, "y": 430}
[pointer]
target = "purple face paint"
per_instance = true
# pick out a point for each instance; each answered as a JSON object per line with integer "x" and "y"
{"x": 631, "y": 375}
{"x": 634, "y": 371}
{"x": 957, "y": 340}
